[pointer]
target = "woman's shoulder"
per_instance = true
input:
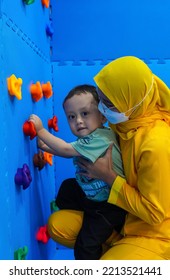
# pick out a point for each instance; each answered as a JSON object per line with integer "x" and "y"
{"x": 157, "y": 135}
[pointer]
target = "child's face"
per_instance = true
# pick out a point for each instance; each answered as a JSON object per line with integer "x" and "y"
{"x": 82, "y": 114}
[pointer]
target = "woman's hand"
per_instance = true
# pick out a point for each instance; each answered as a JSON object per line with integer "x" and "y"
{"x": 101, "y": 169}
{"x": 37, "y": 122}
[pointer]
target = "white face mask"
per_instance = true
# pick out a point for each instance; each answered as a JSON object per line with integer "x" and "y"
{"x": 116, "y": 117}
{"x": 111, "y": 116}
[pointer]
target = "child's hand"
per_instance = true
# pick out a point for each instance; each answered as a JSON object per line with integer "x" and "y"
{"x": 37, "y": 122}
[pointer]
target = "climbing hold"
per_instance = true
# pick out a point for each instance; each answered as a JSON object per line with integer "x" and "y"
{"x": 21, "y": 253}
{"x": 48, "y": 158}
{"x": 38, "y": 160}
{"x": 23, "y": 177}
{"x": 29, "y": 129}
{"x": 53, "y": 123}
{"x": 42, "y": 234}
{"x": 47, "y": 90}
{"x": 49, "y": 30}
{"x": 28, "y": 2}
{"x": 45, "y": 3}
{"x": 36, "y": 91}
{"x": 53, "y": 206}
{"x": 14, "y": 86}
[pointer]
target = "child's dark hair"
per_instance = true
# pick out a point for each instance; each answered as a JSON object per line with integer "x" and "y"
{"x": 82, "y": 89}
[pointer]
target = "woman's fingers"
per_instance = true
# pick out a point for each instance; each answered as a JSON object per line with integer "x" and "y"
{"x": 101, "y": 169}
{"x": 83, "y": 163}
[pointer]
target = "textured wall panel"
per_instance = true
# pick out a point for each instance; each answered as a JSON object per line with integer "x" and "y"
{"x": 93, "y": 29}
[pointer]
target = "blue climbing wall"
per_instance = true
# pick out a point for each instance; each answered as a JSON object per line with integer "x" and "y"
{"x": 87, "y": 35}
{"x": 25, "y": 52}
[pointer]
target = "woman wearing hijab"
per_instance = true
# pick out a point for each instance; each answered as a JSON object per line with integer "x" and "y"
{"x": 137, "y": 105}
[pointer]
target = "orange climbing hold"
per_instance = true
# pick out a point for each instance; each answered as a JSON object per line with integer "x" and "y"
{"x": 47, "y": 90}
{"x": 14, "y": 86}
{"x": 48, "y": 158}
{"x": 36, "y": 91}
{"x": 45, "y": 3}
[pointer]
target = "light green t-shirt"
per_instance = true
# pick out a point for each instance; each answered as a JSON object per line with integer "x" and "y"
{"x": 92, "y": 147}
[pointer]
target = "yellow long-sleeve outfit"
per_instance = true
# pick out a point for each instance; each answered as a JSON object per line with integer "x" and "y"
{"x": 146, "y": 196}
{"x": 145, "y": 146}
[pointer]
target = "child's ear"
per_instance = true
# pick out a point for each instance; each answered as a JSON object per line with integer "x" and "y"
{"x": 104, "y": 120}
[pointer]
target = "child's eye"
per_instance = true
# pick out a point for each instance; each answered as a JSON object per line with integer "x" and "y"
{"x": 71, "y": 117}
{"x": 84, "y": 113}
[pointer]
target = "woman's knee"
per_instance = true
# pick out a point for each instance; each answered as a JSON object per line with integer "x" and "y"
{"x": 64, "y": 226}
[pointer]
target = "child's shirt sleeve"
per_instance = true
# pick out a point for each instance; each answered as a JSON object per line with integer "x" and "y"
{"x": 95, "y": 144}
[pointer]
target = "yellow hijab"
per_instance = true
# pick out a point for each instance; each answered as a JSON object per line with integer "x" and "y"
{"x": 125, "y": 82}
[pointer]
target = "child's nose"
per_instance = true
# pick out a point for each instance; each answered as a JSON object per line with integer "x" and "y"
{"x": 79, "y": 119}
